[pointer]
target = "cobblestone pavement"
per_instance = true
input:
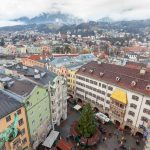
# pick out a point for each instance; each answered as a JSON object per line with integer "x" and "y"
{"x": 111, "y": 141}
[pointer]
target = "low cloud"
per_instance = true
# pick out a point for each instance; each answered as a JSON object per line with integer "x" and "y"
{"x": 10, "y": 23}
{"x": 85, "y": 9}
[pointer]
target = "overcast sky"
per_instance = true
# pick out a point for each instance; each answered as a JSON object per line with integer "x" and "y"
{"x": 85, "y": 9}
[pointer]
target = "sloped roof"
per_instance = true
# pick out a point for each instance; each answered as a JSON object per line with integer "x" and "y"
{"x": 8, "y": 104}
{"x": 120, "y": 96}
{"x": 111, "y": 71}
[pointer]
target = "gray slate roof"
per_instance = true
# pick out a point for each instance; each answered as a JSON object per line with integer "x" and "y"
{"x": 8, "y": 104}
{"x": 30, "y": 72}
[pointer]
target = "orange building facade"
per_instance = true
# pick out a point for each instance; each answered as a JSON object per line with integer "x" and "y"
{"x": 21, "y": 141}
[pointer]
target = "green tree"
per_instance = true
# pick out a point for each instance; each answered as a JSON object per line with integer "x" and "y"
{"x": 2, "y": 42}
{"x": 87, "y": 122}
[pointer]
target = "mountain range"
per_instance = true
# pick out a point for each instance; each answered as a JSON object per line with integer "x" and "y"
{"x": 59, "y": 22}
{"x": 47, "y": 18}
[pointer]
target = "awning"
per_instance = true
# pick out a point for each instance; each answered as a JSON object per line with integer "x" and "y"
{"x": 120, "y": 96}
{"x": 77, "y": 107}
{"x": 102, "y": 117}
{"x": 51, "y": 139}
{"x": 68, "y": 97}
{"x": 63, "y": 145}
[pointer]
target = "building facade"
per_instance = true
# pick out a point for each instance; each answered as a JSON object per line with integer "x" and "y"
{"x": 71, "y": 81}
{"x": 45, "y": 97}
{"x": 120, "y": 92}
{"x": 13, "y": 124}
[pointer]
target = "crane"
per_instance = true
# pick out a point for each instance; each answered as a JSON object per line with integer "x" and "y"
{"x": 11, "y": 131}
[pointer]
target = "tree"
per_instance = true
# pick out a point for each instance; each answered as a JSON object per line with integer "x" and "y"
{"x": 2, "y": 42}
{"x": 87, "y": 122}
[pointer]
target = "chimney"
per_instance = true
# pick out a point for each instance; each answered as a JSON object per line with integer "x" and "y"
{"x": 1, "y": 85}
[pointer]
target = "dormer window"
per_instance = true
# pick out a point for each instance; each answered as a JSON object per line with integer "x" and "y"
{"x": 101, "y": 74}
{"x": 148, "y": 87}
{"x": 91, "y": 70}
{"x": 37, "y": 76}
{"x": 83, "y": 69}
{"x": 117, "y": 79}
{"x": 133, "y": 83}
{"x": 25, "y": 68}
{"x": 142, "y": 71}
{"x": 36, "y": 71}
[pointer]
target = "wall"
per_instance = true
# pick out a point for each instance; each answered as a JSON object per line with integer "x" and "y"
{"x": 38, "y": 112}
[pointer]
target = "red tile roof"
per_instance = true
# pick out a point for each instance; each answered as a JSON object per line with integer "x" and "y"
{"x": 63, "y": 145}
{"x": 135, "y": 49}
{"x": 111, "y": 71}
{"x": 135, "y": 65}
{"x": 36, "y": 57}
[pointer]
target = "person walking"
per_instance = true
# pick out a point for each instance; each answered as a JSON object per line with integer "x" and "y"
{"x": 137, "y": 142}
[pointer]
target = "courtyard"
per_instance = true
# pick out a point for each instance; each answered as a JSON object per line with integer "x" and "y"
{"x": 109, "y": 139}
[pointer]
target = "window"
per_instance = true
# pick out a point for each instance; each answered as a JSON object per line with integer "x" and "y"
{"x": 22, "y": 131}
{"x": 24, "y": 141}
{"x": 90, "y": 93}
{"x": 94, "y": 89}
{"x": 129, "y": 121}
{"x": 99, "y": 84}
{"x": 110, "y": 88}
{"x": 102, "y": 99}
{"x": 108, "y": 102}
{"x": 31, "y": 113}
{"x": 19, "y": 112}
{"x": 99, "y": 91}
{"x": 94, "y": 82}
{"x": 8, "y": 118}
{"x": 102, "y": 92}
{"x": 33, "y": 122}
{"x": 131, "y": 113}
{"x": 144, "y": 119}
{"x": 133, "y": 106}
{"x": 134, "y": 97}
{"x": 108, "y": 95}
{"x": 107, "y": 109}
{"x": 147, "y": 102}
{"x": 20, "y": 122}
{"x": 87, "y": 80}
{"x": 101, "y": 105}
{"x": 94, "y": 95}
{"x": 91, "y": 81}
{"x": 104, "y": 86}
{"x": 146, "y": 111}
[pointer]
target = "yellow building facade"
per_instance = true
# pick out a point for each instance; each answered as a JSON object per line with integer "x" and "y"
{"x": 71, "y": 81}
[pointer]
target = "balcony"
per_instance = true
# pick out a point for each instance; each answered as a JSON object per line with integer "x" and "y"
{"x": 15, "y": 143}
{"x": 118, "y": 108}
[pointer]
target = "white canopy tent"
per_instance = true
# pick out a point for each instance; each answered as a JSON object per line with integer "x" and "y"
{"x": 51, "y": 139}
{"x": 102, "y": 117}
{"x": 77, "y": 107}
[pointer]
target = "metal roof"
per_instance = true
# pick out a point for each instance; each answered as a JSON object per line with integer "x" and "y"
{"x": 51, "y": 139}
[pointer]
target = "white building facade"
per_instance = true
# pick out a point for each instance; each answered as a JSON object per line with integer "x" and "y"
{"x": 58, "y": 95}
{"x": 105, "y": 90}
